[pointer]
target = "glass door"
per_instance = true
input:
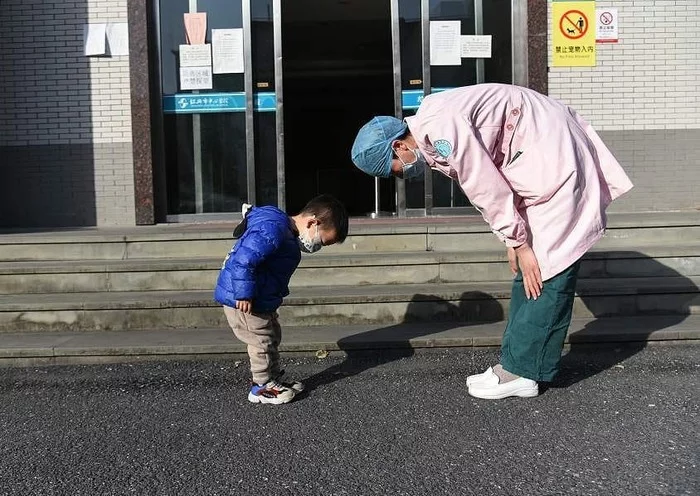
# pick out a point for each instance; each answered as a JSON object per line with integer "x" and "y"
{"x": 420, "y": 25}
{"x": 224, "y": 120}
{"x": 220, "y": 128}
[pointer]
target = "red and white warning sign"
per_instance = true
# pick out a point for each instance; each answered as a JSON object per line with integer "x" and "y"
{"x": 606, "y": 25}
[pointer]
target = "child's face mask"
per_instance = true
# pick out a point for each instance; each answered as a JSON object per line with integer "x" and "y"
{"x": 308, "y": 244}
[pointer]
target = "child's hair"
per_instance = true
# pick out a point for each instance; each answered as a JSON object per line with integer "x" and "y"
{"x": 330, "y": 213}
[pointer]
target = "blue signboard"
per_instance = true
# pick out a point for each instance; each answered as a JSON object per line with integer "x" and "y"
{"x": 411, "y": 99}
{"x": 201, "y": 103}
{"x": 196, "y": 103}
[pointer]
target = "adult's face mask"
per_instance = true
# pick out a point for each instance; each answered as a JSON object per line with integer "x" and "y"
{"x": 415, "y": 169}
{"x": 307, "y": 244}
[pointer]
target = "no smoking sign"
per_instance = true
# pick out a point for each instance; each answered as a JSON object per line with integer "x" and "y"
{"x": 606, "y": 25}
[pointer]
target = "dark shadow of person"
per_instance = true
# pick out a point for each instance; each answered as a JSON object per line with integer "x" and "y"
{"x": 425, "y": 315}
{"x": 649, "y": 298}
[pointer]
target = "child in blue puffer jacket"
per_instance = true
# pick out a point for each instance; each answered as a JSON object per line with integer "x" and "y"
{"x": 255, "y": 278}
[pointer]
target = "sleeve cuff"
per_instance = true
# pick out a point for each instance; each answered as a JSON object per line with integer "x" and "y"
{"x": 510, "y": 243}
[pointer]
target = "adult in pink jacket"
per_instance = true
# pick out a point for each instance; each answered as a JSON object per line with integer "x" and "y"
{"x": 541, "y": 178}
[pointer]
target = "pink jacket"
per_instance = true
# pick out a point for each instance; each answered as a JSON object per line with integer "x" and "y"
{"x": 534, "y": 168}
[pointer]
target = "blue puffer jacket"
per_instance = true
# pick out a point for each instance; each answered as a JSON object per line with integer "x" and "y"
{"x": 261, "y": 263}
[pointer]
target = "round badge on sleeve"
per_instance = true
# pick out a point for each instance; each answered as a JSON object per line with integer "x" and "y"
{"x": 443, "y": 147}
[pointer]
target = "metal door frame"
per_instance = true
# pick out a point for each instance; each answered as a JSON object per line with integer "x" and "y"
{"x": 249, "y": 123}
{"x": 519, "y": 57}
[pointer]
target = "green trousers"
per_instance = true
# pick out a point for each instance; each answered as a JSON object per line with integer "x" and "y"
{"x": 536, "y": 329}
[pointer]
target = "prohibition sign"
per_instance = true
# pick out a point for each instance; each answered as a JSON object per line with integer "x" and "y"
{"x": 570, "y": 24}
{"x": 606, "y": 18}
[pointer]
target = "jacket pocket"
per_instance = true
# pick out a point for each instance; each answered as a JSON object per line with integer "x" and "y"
{"x": 535, "y": 174}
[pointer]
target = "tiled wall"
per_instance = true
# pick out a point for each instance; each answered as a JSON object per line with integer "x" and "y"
{"x": 65, "y": 119}
{"x": 643, "y": 96}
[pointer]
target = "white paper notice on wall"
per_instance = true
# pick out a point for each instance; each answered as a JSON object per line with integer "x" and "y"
{"x": 118, "y": 39}
{"x": 227, "y": 50}
{"x": 195, "y": 55}
{"x": 476, "y": 46}
{"x": 94, "y": 36}
{"x": 606, "y": 25}
{"x": 445, "y": 43}
{"x": 195, "y": 78}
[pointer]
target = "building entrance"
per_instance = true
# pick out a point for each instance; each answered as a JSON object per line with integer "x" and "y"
{"x": 270, "y": 117}
{"x": 338, "y": 73}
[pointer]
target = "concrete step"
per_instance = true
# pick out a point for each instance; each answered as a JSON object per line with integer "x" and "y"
{"x": 366, "y": 236}
{"x": 332, "y": 270}
{"x": 339, "y": 305}
{"x": 91, "y": 346}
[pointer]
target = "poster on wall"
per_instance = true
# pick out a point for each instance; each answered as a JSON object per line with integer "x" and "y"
{"x": 94, "y": 39}
{"x": 445, "y": 43}
{"x": 118, "y": 38}
{"x": 573, "y": 33}
{"x": 606, "y": 25}
{"x": 476, "y": 46}
{"x": 195, "y": 78}
{"x": 227, "y": 50}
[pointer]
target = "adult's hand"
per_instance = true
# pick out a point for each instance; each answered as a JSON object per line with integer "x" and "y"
{"x": 513, "y": 261}
{"x": 244, "y": 306}
{"x": 524, "y": 257}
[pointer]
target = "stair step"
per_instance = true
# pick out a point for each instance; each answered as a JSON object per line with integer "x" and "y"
{"x": 396, "y": 235}
{"x": 339, "y": 305}
{"x": 57, "y": 346}
{"x": 337, "y": 270}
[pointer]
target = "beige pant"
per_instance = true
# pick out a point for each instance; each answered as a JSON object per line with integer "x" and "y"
{"x": 262, "y": 333}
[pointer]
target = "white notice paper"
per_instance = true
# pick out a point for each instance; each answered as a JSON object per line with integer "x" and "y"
{"x": 476, "y": 46}
{"x": 195, "y": 78}
{"x": 94, "y": 39}
{"x": 445, "y": 47}
{"x": 606, "y": 25}
{"x": 227, "y": 50}
{"x": 118, "y": 38}
{"x": 195, "y": 55}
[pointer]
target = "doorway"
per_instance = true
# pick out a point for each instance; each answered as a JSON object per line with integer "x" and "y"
{"x": 338, "y": 74}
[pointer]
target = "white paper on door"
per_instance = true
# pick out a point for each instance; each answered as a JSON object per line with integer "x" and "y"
{"x": 476, "y": 46}
{"x": 445, "y": 43}
{"x": 195, "y": 55}
{"x": 227, "y": 50}
{"x": 195, "y": 78}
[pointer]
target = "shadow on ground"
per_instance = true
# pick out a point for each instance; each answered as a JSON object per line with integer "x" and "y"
{"x": 669, "y": 302}
{"x": 425, "y": 315}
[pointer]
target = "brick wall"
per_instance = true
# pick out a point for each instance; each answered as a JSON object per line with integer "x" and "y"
{"x": 65, "y": 119}
{"x": 643, "y": 96}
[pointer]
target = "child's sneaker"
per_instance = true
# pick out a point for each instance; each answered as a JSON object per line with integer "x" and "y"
{"x": 297, "y": 386}
{"x": 272, "y": 393}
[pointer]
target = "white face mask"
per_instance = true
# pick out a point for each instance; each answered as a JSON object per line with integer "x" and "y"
{"x": 307, "y": 244}
{"x": 415, "y": 169}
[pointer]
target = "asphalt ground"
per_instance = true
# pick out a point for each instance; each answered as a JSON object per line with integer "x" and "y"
{"x": 618, "y": 420}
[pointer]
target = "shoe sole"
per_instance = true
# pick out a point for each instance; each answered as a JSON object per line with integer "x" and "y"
{"x": 268, "y": 401}
{"x": 519, "y": 393}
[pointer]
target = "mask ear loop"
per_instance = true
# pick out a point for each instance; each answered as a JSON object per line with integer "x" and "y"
{"x": 318, "y": 232}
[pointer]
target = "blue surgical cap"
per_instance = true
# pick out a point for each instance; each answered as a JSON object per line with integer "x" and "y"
{"x": 371, "y": 152}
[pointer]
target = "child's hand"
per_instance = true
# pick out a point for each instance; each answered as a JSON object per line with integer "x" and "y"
{"x": 244, "y": 306}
